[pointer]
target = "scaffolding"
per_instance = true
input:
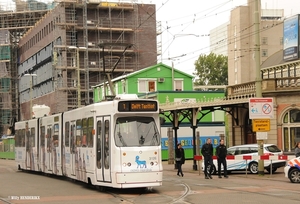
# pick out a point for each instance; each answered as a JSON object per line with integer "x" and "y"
{"x": 61, "y": 47}
{"x": 86, "y": 25}
{"x": 15, "y": 20}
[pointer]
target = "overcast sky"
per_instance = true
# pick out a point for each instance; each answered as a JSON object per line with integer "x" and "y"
{"x": 183, "y": 20}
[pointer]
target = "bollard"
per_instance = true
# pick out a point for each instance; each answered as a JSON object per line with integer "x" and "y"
{"x": 271, "y": 169}
{"x": 246, "y": 168}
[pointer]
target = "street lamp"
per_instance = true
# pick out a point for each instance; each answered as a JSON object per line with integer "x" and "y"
{"x": 30, "y": 92}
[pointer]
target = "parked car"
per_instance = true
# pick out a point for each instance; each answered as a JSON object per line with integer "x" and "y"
{"x": 292, "y": 170}
{"x": 252, "y": 165}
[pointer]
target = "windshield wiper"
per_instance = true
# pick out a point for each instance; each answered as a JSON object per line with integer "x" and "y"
{"x": 122, "y": 140}
{"x": 154, "y": 139}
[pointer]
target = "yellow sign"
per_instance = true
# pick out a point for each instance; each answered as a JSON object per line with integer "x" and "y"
{"x": 260, "y": 125}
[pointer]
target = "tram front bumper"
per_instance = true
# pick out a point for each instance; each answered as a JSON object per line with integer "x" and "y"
{"x": 139, "y": 177}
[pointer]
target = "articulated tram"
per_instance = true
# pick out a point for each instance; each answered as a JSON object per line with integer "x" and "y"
{"x": 113, "y": 143}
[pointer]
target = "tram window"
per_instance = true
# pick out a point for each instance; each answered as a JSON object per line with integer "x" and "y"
{"x": 78, "y": 133}
{"x": 55, "y": 135}
{"x": 67, "y": 134}
{"x": 17, "y": 139}
{"x": 84, "y": 132}
{"x": 23, "y": 138}
{"x": 106, "y": 144}
{"x": 136, "y": 131}
{"x": 32, "y": 137}
{"x": 90, "y": 132}
{"x": 73, "y": 144}
{"x": 99, "y": 133}
{"x": 43, "y": 136}
{"x": 48, "y": 138}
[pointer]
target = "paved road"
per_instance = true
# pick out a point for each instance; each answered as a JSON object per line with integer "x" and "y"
{"x": 190, "y": 189}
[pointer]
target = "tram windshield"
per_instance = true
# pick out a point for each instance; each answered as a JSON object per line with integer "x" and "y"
{"x": 136, "y": 131}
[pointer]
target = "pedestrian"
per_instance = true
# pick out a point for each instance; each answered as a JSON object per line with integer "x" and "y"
{"x": 207, "y": 152}
{"x": 180, "y": 159}
{"x": 221, "y": 151}
{"x": 297, "y": 149}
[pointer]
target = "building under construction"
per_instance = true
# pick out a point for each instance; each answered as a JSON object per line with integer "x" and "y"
{"x": 13, "y": 25}
{"x": 60, "y": 53}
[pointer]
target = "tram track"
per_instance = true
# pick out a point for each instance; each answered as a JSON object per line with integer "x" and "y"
{"x": 187, "y": 191}
{"x": 2, "y": 200}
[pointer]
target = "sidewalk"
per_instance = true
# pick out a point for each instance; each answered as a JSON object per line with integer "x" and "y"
{"x": 187, "y": 167}
{"x": 188, "y": 170}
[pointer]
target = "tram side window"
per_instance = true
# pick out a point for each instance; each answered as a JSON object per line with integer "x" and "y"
{"x": 27, "y": 133}
{"x": 55, "y": 135}
{"x": 106, "y": 144}
{"x": 17, "y": 139}
{"x": 99, "y": 133}
{"x": 32, "y": 137}
{"x": 84, "y": 132}
{"x": 23, "y": 138}
{"x": 90, "y": 140}
{"x": 67, "y": 134}
{"x": 48, "y": 139}
{"x": 43, "y": 136}
{"x": 78, "y": 133}
{"x": 73, "y": 141}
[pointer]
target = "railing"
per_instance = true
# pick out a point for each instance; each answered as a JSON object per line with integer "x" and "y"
{"x": 268, "y": 86}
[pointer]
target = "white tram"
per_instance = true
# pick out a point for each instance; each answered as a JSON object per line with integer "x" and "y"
{"x": 113, "y": 143}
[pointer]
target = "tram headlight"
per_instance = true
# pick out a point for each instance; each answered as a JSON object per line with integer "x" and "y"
{"x": 129, "y": 164}
{"x": 124, "y": 164}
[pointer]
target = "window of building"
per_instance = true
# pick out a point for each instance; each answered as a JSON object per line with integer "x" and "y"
{"x": 291, "y": 129}
{"x": 264, "y": 41}
{"x": 146, "y": 85}
{"x": 264, "y": 53}
{"x": 123, "y": 86}
{"x": 178, "y": 85}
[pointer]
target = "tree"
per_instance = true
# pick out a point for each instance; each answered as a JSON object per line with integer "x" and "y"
{"x": 211, "y": 69}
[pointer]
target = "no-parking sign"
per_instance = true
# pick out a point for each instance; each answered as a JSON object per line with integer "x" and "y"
{"x": 261, "y": 108}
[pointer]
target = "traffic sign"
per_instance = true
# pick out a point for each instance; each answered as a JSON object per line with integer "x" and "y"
{"x": 261, "y": 108}
{"x": 260, "y": 125}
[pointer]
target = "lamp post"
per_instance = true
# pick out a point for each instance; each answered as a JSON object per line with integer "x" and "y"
{"x": 30, "y": 91}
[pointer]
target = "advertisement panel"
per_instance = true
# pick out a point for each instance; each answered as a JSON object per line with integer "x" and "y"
{"x": 291, "y": 38}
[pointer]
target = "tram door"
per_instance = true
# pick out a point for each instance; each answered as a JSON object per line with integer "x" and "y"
{"x": 49, "y": 148}
{"x": 73, "y": 148}
{"x": 103, "y": 149}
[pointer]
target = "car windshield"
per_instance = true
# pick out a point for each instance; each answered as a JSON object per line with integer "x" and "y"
{"x": 273, "y": 148}
{"x": 136, "y": 131}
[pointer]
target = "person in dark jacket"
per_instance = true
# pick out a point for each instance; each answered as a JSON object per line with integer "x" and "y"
{"x": 207, "y": 152}
{"x": 180, "y": 159}
{"x": 297, "y": 149}
{"x": 221, "y": 152}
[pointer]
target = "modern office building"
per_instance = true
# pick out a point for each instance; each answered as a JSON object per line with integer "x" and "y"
{"x": 241, "y": 40}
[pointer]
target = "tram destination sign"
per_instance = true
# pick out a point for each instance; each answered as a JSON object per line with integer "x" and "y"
{"x": 138, "y": 106}
{"x": 261, "y": 108}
